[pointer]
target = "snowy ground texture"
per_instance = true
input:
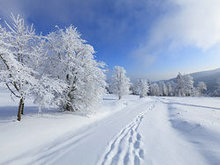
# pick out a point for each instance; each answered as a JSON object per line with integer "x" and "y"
{"x": 149, "y": 131}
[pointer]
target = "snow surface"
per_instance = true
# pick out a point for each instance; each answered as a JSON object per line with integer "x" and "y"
{"x": 151, "y": 130}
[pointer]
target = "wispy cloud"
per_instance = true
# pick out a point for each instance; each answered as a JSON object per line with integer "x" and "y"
{"x": 142, "y": 57}
{"x": 188, "y": 23}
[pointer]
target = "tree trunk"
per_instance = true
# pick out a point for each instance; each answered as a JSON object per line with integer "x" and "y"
{"x": 119, "y": 97}
{"x": 20, "y": 109}
{"x": 68, "y": 107}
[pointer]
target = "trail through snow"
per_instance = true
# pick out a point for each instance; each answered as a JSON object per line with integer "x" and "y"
{"x": 126, "y": 146}
{"x": 149, "y": 131}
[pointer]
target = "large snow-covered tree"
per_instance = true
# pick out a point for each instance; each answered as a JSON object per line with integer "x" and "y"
{"x": 120, "y": 83}
{"x": 71, "y": 59}
{"x": 141, "y": 87}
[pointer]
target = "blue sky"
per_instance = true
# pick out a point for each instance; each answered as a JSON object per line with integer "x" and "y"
{"x": 149, "y": 38}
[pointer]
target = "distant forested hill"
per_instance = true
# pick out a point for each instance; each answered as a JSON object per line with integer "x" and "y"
{"x": 209, "y": 77}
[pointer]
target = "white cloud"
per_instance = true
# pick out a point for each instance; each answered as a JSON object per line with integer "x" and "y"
{"x": 184, "y": 24}
{"x": 188, "y": 23}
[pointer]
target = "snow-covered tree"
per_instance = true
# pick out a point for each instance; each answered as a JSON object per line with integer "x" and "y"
{"x": 171, "y": 88}
{"x": 120, "y": 83}
{"x": 164, "y": 89}
{"x": 17, "y": 54}
{"x": 133, "y": 88}
{"x": 180, "y": 85}
{"x": 188, "y": 87}
{"x": 160, "y": 88}
{"x": 71, "y": 59}
{"x": 184, "y": 85}
{"x": 154, "y": 89}
{"x": 217, "y": 91}
{"x": 141, "y": 87}
{"x": 201, "y": 87}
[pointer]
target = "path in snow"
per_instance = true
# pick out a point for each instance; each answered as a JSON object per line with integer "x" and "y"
{"x": 126, "y": 146}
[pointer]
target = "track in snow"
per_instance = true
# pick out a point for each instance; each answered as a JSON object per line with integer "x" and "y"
{"x": 126, "y": 147}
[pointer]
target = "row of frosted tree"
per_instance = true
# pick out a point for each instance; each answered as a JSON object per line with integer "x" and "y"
{"x": 181, "y": 86}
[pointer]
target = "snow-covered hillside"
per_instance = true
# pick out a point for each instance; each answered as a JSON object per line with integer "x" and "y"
{"x": 151, "y": 130}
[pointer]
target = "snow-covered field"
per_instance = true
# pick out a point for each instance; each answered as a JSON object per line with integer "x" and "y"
{"x": 151, "y": 131}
